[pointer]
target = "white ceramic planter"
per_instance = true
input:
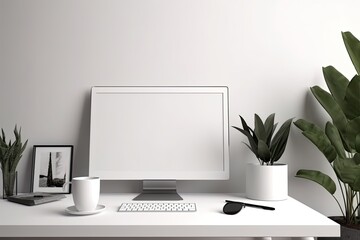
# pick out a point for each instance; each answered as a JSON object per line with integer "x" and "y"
{"x": 267, "y": 183}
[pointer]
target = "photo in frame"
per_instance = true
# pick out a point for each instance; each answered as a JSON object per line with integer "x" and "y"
{"x": 51, "y": 168}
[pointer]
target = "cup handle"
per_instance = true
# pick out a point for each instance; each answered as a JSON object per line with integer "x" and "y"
{"x": 65, "y": 184}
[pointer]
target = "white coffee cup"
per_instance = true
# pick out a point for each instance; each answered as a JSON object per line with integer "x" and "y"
{"x": 85, "y": 192}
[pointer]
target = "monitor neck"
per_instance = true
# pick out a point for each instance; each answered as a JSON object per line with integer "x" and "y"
{"x": 158, "y": 190}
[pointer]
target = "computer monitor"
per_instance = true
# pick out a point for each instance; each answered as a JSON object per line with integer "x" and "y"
{"x": 159, "y": 135}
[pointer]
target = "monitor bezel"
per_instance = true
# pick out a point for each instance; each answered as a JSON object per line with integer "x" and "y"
{"x": 189, "y": 175}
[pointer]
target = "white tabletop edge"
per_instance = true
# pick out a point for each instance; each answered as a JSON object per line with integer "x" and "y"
{"x": 290, "y": 219}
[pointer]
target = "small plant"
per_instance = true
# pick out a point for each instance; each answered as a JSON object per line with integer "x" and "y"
{"x": 267, "y": 147}
{"x": 10, "y": 155}
{"x": 340, "y": 140}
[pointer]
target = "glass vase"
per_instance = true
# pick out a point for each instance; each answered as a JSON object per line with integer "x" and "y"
{"x": 9, "y": 184}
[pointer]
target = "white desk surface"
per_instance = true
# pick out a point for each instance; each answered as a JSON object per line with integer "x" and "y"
{"x": 290, "y": 219}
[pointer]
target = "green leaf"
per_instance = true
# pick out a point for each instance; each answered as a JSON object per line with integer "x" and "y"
{"x": 18, "y": 155}
{"x": 252, "y": 140}
{"x": 335, "y": 139}
{"x": 352, "y": 45}
{"x": 321, "y": 178}
{"x": 11, "y": 153}
{"x": 323, "y": 144}
{"x": 279, "y": 142}
{"x": 336, "y": 82}
{"x": 244, "y": 124}
{"x": 318, "y": 137}
{"x": 348, "y": 171}
{"x": 353, "y": 129}
{"x": 264, "y": 151}
{"x": 16, "y": 133}
{"x": 269, "y": 127}
{"x": 344, "y": 93}
{"x": 252, "y": 150}
{"x": 3, "y": 136}
{"x": 24, "y": 147}
{"x": 304, "y": 125}
{"x": 332, "y": 107}
{"x": 357, "y": 143}
{"x": 352, "y": 98}
{"x": 259, "y": 129}
{"x": 250, "y": 135}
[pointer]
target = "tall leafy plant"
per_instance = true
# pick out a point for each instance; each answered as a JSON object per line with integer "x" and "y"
{"x": 10, "y": 155}
{"x": 267, "y": 146}
{"x": 339, "y": 141}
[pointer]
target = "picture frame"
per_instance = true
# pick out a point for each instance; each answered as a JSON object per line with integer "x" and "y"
{"x": 51, "y": 168}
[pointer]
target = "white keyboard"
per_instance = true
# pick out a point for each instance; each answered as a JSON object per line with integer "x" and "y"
{"x": 157, "y": 207}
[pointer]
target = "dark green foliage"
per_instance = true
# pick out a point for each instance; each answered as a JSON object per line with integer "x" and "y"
{"x": 11, "y": 153}
{"x": 353, "y": 47}
{"x": 267, "y": 147}
{"x": 340, "y": 140}
{"x": 319, "y": 177}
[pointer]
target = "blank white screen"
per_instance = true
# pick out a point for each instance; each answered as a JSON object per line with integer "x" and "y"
{"x": 157, "y": 133}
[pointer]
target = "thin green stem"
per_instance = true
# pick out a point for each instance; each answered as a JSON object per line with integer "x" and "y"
{"x": 357, "y": 213}
{"x": 343, "y": 196}
{"x": 342, "y": 211}
{"x": 350, "y": 195}
{"x": 348, "y": 203}
{"x": 352, "y": 198}
{"x": 355, "y": 196}
{"x": 351, "y": 206}
{"x": 353, "y": 215}
{"x": 342, "y": 186}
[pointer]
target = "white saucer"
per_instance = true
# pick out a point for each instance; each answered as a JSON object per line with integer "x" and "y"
{"x": 72, "y": 210}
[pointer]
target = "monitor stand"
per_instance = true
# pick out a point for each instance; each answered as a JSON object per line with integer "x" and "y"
{"x": 158, "y": 190}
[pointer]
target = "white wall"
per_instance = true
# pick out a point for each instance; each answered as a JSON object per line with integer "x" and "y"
{"x": 268, "y": 52}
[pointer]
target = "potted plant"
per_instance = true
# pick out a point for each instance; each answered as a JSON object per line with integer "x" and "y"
{"x": 339, "y": 141}
{"x": 266, "y": 180}
{"x": 10, "y": 155}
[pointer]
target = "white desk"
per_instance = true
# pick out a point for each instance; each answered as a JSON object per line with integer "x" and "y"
{"x": 290, "y": 219}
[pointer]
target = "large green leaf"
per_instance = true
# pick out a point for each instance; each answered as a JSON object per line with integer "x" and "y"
{"x": 331, "y": 106}
{"x": 335, "y": 139}
{"x": 321, "y": 178}
{"x": 341, "y": 90}
{"x": 318, "y": 137}
{"x": 352, "y": 98}
{"x": 353, "y": 129}
{"x": 336, "y": 82}
{"x": 348, "y": 171}
{"x": 352, "y": 45}
{"x": 323, "y": 144}
{"x": 304, "y": 125}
